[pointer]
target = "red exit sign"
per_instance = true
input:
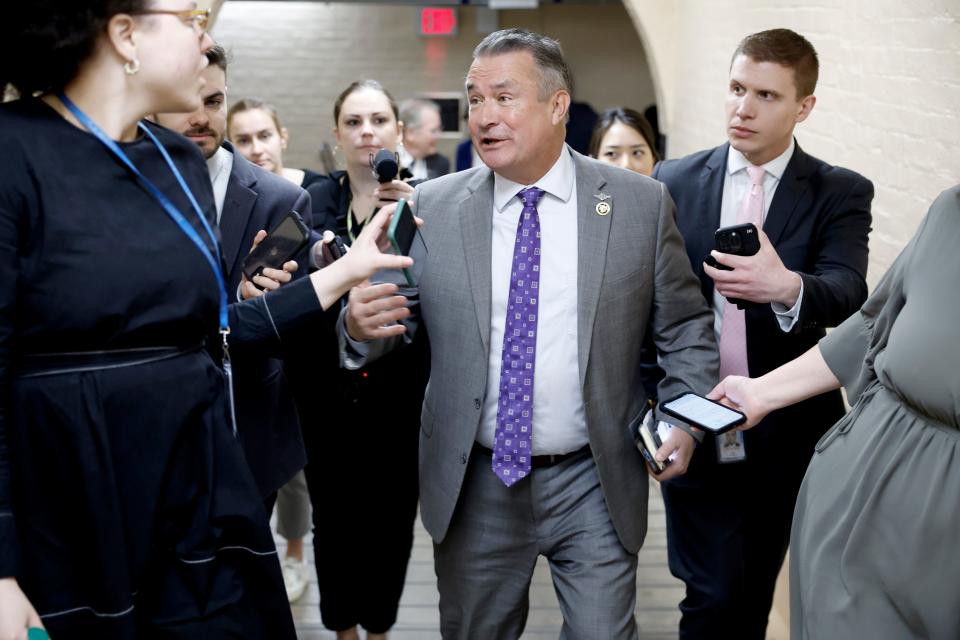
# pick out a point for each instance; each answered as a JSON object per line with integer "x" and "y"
{"x": 438, "y": 21}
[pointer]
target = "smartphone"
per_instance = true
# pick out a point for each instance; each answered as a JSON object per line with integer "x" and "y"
{"x": 709, "y": 415}
{"x": 648, "y": 443}
{"x": 285, "y": 240}
{"x": 401, "y": 233}
{"x": 738, "y": 240}
{"x": 333, "y": 250}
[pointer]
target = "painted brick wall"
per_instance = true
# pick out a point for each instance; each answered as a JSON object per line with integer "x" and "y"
{"x": 888, "y": 101}
{"x": 300, "y": 55}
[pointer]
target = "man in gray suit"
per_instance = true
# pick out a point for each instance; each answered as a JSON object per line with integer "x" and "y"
{"x": 544, "y": 270}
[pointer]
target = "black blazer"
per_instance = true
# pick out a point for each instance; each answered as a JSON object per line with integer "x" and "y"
{"x": 818, "y": 222}
{"x": 266, "y": 413}
{"x": 437, "y": 165}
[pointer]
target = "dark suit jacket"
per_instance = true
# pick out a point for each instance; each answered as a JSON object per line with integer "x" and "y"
{"x": 266, "y": 414}
{"x": 818, "y": 222}
{"x": 465, "y": 155}
{"x": 437, "y": 165}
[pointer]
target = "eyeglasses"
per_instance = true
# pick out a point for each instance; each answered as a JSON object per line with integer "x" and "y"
{"x": 197, "y": 18}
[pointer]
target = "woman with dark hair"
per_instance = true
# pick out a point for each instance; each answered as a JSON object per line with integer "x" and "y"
{"x": 624, "y": 138}
{"x": 126, "y": 507}
{"x": 362, "y": 469}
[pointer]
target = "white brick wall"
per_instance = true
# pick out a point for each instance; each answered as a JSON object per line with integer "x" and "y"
{"x": 301, "y": 55}
{"x": 888, "y": 101}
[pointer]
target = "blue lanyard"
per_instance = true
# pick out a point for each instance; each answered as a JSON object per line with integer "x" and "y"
{"x": 164, "y": 201}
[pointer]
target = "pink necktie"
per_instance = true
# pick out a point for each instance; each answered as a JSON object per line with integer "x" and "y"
{"x": 733, "y": 332}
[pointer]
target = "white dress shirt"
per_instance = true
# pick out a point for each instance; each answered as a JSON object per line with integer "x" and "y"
{"x": 220, "y": 165}
{"x": 418, "y": 168}
{"x": 559, "y": 421}
{"x": 736, "y": 186}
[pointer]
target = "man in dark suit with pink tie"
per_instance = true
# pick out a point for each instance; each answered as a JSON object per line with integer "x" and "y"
{"x": 729, "y": 517}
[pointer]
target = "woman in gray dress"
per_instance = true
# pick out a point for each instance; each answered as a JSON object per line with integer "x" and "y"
{"x": 874, "y": 532}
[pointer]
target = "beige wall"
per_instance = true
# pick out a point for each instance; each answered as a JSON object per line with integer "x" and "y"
{"x": 300, "y": 55}
{"x": 888, "y": 101}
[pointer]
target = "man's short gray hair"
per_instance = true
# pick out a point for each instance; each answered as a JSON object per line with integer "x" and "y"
{"x": 411, "y": 111}
{"x": 547, "y": 55}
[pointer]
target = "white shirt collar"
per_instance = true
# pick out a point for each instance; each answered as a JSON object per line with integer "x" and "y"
{"x": 558, "y": 182}
{"x": 219, "y": 162}
{"x": 737, "y": 162}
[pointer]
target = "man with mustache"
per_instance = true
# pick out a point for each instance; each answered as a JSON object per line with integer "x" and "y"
{"x": 729, "y": 517}
{"x": 250, "y": 199}
{"x": 543, "y": 271}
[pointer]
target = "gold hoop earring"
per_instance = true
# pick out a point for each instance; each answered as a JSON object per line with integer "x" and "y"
{"x": 130, "y": 67}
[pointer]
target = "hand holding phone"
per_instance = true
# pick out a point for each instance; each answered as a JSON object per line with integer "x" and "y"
{"x": 708, "y": 415}
{"x": 282, "y": 243}
{"x": 648, "y": 443}
{"x": 737, "y": 240}
{"x": 401, "y": 233}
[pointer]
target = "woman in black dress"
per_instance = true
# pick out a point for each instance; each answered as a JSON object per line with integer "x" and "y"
{"x": 362, "y": 466}
{"x": 126, "y": 508}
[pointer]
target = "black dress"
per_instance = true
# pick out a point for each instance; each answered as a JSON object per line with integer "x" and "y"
{"x": 126, "y": 507}
{"x": 361, "y": 429}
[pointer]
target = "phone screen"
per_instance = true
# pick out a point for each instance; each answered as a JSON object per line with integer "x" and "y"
{"x": 704, "y": 413}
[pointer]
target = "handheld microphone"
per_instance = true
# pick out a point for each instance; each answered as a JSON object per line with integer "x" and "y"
{"x": 385, "y": 165}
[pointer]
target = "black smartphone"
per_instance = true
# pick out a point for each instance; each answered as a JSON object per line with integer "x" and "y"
{"x": 333, "y": 250}
{"x": 401, "y": 233}
{"x": 283, "y": 242}
{"x": 709, "y": 415}
{"x": 738, "y": 240}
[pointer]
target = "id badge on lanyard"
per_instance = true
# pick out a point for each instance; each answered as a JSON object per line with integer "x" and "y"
{"x": 731, "y": 447}
{"x": 212, "y": 257}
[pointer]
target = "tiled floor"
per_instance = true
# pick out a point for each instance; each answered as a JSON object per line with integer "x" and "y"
{"x": 657, "y": 593}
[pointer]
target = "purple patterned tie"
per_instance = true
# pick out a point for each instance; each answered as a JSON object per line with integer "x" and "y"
{"x": 512, "y": 445}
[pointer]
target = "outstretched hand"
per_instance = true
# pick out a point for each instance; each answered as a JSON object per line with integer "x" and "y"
{"x": 16, "y": 612}
{"x": 368, "y": 254}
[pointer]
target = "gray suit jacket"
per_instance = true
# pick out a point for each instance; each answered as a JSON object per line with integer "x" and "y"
{"x": 633, "y": 274}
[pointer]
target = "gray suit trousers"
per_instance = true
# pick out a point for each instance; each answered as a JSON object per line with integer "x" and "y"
{"x": 496, "y": 536}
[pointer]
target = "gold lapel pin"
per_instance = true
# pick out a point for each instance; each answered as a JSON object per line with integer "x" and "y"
{"x": 603, "y": 208}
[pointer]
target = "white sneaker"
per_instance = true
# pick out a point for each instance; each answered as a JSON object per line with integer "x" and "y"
{"x": 294, "y": 578}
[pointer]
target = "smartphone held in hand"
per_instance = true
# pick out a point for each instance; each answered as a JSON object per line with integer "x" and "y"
{"x": 402, "y": 232}
{"x": 282, "y": 244}
{"x": 708, "y": 415}
{"x": 737, "y": 240}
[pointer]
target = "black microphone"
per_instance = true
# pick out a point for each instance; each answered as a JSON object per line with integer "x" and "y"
{"x": 385, "y": 165}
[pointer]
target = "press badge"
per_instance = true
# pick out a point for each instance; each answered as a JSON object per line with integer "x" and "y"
{"x": 730, "y": 447}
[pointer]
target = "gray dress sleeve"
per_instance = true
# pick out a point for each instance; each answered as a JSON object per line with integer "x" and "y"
{"x": 850, "y": 349}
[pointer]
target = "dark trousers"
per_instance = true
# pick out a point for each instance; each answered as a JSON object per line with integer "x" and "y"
{"x": 362, "y": 479}
{"x": 726, "y": 540}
